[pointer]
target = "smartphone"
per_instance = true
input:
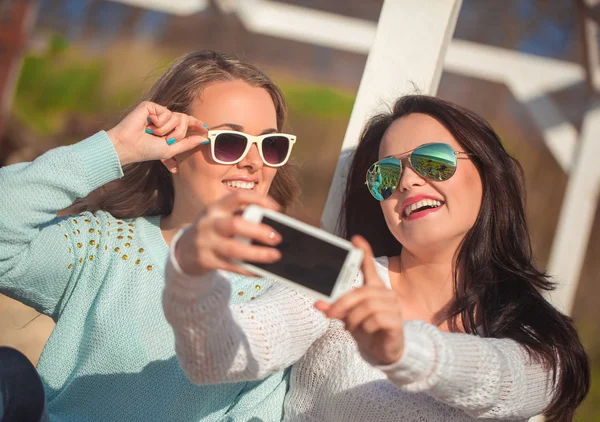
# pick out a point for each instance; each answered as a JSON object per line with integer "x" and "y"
{"x": 312, "y": 260}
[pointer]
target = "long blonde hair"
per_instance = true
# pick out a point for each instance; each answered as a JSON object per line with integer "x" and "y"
{"x": 146, "y": 188}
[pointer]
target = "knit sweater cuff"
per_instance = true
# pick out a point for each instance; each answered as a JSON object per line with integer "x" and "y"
{"x": 186, "y": 288}
{"x": 99, "y": 159}
{"x": 418, "y": 359}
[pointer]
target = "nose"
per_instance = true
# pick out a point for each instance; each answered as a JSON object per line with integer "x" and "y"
{"x": 252, "y": 161}
{"x": 409, "y": 179}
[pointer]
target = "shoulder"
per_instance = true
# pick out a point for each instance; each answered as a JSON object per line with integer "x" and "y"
{"x": 381, "y": 266}
{"x": 115, "y": 244}
{"x": 97, "y": 230}
{"x": 381, "y": 263}
{"x": 99, "y": 223}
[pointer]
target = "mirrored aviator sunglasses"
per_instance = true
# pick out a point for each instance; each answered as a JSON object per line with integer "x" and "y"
{"x": 230, "y": 147}
{"x": 436, "y": 161}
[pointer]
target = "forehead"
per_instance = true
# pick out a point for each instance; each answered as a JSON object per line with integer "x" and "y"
{"x": 236, "y": 102}
{"x": 410, "y": 132}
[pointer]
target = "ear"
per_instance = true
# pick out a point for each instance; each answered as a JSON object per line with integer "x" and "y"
{"x": 171, "y": 164}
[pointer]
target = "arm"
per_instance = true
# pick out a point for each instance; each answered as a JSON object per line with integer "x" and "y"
{"x": 36, "y": 248}
{"x": 217, "y": 342}
{"x": 485, "y": 377}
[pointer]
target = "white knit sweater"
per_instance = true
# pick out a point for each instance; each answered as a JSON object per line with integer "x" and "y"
{"x": 440, "y": 377}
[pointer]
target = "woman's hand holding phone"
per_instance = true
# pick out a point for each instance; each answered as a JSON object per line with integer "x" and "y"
{"x": 372, "y": 313}
{"x": 210, "y": 242}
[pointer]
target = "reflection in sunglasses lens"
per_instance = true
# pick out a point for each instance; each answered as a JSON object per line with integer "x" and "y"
{"x": 434, "y": 162}
{"x": 382, "y": 178}
{"x": 275, "y": 149}
{"x": 229, "y": 146}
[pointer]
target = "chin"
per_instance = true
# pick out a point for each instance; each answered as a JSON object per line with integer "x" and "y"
{"x": 423, "y": 239}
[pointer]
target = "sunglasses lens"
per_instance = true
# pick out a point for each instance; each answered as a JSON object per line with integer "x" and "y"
{"x": 434, "y": 161}
{"x": 382, "y": 178}
{"x": 275, "y": 149}
{"x": 229, "y": 146}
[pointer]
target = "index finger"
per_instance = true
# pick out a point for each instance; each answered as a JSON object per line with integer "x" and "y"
{"x": 197, "y": 126}
{"x": 371, "y": 278}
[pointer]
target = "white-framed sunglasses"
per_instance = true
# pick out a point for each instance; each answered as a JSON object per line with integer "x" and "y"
{"x": 230, "y": 146}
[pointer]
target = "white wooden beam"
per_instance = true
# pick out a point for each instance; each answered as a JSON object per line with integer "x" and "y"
{"x": 396, "y": 65}
{"x": 305, "y": 25}
{"x": 577, "y": 213}
{"x": 580, "y": 202}
{"x": 175, "y": 7}
{"x": 530, "y": 79}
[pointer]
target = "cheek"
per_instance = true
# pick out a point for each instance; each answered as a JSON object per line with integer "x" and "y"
{"x": 470, "y": 192}
{"x": 199, "y": 166}
{"x": 268, "y": 174}
{"x": 391, "y": 213}
{"x": 475, "y": 189}
{"x": 197, "y": 160}
{"x": 389, "y": 209}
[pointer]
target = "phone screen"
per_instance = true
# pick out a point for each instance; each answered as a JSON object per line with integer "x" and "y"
{"x": 305, "y": 259}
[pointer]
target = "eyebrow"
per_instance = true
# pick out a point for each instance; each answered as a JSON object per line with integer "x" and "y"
{"x": 239, "y": 128}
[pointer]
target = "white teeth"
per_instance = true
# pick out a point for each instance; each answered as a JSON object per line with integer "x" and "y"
{"x": 240, "y": 185}
{"x": 425, "y": 202}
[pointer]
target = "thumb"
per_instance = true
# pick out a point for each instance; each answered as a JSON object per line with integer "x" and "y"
{"x": 158, "y": 115}
{"x": 371, "y": 278}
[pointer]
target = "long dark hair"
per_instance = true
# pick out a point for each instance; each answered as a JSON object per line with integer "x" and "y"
{"x": 146, "y": 188}
{"x": 497, "y": 285}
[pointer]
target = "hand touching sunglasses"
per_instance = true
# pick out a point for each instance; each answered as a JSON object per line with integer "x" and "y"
{"x": 230, "y": 147}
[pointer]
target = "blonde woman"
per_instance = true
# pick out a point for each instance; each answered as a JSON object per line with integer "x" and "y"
{"x": 100, "y": 274}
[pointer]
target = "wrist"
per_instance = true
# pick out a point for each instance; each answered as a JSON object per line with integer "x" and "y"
{"x": 124, "y": 157}
{"x": 393, "y": 357}
{"x": 99, "y": 158}
{"x": 383, "y": 359}
{"x": 419, "y": 355}
{"x": 184, "y": 269}
{"x": 190, "y": 267}
{"x": 187, "y": 288}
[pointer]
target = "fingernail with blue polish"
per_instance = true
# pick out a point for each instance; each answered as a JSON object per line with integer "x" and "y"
{"x": 205, "y": 125}
{"x": 149, "y": 131}
{"x": 205, "y": 142}
{"x": 171, "y": 141}
{"x": 149, "y": 119}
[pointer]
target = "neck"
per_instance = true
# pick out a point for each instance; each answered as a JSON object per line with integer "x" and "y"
{"x": 426, "y": 279}
{"x": 181, "y": 216}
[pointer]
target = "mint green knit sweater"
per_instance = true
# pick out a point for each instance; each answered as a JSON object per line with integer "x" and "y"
{"x": 111, "y": 356}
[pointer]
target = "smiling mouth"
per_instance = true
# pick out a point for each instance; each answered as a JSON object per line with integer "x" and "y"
{"x": 240, "y": 185}
{"x": 423, "y": 205}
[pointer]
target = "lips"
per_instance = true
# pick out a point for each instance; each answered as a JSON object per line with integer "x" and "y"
{"x": 420, "y": 205}
{"x": 240, "y": 184}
